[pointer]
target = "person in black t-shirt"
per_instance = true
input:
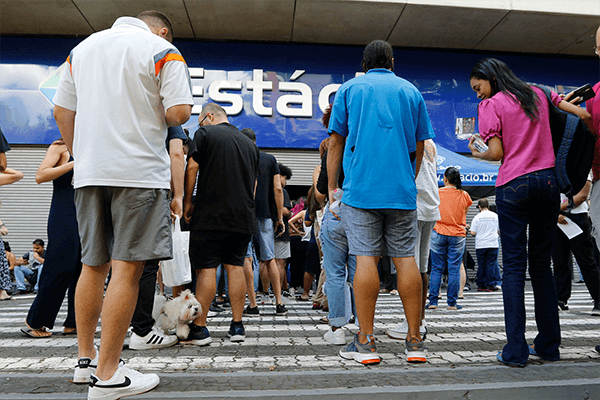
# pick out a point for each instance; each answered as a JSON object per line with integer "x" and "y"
{"x": 269, "y": 215}
{"x": 222, "y": 218}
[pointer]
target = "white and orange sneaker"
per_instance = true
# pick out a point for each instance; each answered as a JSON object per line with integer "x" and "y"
{"x": 365, "y": 354}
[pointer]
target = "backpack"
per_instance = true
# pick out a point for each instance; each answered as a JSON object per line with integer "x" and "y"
{"x": 574, "y": 146}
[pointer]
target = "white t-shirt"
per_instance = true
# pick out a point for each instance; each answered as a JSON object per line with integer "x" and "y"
{"x": 428, "y": 197}
{"x": 485, "y": 226}
{"x": 120, "y": 81}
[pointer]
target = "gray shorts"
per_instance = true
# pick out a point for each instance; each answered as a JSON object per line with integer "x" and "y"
{"x": 127, "y": 224}
{"x": 282, "y": 250}
{"x": 384, "y": 232}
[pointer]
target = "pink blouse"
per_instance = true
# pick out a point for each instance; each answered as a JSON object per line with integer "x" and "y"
{"x": 527, "y": 144}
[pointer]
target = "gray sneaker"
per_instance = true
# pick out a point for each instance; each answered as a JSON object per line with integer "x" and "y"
{"x": 415, "y": 351}
{"x": 401, "y": 330}
{"x": 365, "y": 354}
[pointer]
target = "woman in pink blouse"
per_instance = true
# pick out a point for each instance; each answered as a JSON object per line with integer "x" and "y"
{"x": 514, "y": 123}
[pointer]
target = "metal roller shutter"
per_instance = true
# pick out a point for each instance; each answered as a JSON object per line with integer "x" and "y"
{"x": 302, "y": 163}
{"x": 25, "y": 204}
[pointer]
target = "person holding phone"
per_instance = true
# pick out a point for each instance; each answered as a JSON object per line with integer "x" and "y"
{"x": 514, "y": 123}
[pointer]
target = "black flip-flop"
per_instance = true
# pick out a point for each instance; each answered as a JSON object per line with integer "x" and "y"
{"x": 28, "y": 331}
{"x": 69, "y": 333}
{"x": 6, "y": 298}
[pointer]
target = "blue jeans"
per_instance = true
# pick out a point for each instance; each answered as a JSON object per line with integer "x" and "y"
{"x": 23, "y": 272}
{"x": 335, "y": 259}
{"x": 445, "y": 250}
{"x": 529, "y": 200}
{"x": 488, "y": 273}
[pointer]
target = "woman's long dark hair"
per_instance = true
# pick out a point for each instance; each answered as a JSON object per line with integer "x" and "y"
{"x": 502, "y": 79}
{"x": 453, "y": 177}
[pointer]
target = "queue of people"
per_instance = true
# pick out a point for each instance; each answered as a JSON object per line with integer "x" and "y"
{"x": 357, "y": 211}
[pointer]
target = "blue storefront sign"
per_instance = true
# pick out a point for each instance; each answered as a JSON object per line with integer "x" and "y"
{"x": 280, "y": 91}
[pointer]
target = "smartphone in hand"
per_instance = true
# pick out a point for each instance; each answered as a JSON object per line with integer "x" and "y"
{"x": 584, "y": 93}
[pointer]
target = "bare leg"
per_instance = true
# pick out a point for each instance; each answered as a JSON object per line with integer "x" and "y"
{"x": 119, "y": 305}
{"x": 236, "y": 283}
{"x": 177, "y": 290}
{"x": 308, "y": 280}
{"x": 249, "y": 276}
{"x": 206, "y": 286}
{"x": 281, "y": 263}
{"x": 88, "y": 305}
{"x": 275, "y": 280}
{"x": 263, "y": 271}
{"x": 410, "y": 287}
{"x": 366, "y": 291}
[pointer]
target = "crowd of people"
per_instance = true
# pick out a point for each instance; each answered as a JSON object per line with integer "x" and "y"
{"x": 374, "y": 199}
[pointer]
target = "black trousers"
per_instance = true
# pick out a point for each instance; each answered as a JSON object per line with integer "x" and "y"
{"x": 582, "y": 247}
{"x": 142, "y": 321}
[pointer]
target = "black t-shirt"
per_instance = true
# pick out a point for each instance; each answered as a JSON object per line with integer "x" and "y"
{"x": 323, "y": 181}
{"x": 265, "y": 196}
{"x": 287, "y": 204}
{"x": 4, "y": 146}
{"x": 228, "y": 167}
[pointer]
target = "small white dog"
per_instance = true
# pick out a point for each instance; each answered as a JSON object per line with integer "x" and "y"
{"x": 176, "y": 313}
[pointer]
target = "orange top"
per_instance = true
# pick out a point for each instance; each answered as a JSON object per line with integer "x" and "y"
{"x": 453, "y": 203}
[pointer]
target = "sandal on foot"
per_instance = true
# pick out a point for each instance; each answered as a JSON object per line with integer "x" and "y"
{"x": 430, "y": 306}
{"x": 41, "y": 333}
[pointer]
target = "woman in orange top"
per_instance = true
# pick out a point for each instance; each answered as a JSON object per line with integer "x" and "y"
{"x": 448, "y": 239}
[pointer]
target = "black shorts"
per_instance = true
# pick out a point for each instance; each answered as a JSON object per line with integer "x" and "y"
{"x": 208, "y": 249}
{"x": 313, "y": 259}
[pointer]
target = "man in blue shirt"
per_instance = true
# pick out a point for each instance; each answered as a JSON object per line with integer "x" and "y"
{"x": 378, "y": 125}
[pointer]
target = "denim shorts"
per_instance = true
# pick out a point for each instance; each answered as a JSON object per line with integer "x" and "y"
{"x": 384, "y": 232}
{"x": 266, "y": 239}
{"x": 119, "y": 223}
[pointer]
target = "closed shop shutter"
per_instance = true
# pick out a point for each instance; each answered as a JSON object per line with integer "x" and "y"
{"x": 302, "y": 163}
{"x": 25, "y": 204}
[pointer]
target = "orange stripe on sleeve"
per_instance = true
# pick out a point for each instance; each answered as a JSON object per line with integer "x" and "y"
{"x": 70, "y": 65}
{"x": 169, "y": 57}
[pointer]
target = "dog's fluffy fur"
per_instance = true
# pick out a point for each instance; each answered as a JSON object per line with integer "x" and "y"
{"x": 176, "y": 313}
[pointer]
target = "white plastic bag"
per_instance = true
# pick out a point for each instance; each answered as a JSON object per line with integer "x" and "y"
{"x": 178, "y": 271}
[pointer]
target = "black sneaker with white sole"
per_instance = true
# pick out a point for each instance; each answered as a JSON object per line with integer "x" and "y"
{"x": 280, "y": 310}
{"x": 125, "y": 382}
{"x": 596, "y": 309}
{"x": 251, "y": 312}
{"x": 562, "y": 306}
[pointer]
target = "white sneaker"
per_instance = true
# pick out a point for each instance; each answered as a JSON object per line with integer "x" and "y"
{"x": 336, "y": 337}
{"x": 125, "y": 382}
{"x": 156, "y": 339}
{"x": 84, "y": 368}
{"x": 401, "y": 330}
{"x": 266, "y": 299}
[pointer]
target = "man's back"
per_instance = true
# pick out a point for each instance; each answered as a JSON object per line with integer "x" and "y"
{"x": 382, "y": 117}
{"x": 228, "y": 167}
{"x": 485, "y": 225}
{"x": 265, "y": 200}
{"x": 121, "y": 82}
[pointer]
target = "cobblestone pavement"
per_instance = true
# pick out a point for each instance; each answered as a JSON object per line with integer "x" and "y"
{"x": 285, "y": 356}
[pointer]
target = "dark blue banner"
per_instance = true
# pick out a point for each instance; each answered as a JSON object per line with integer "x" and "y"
{"x": 280, "y": 91}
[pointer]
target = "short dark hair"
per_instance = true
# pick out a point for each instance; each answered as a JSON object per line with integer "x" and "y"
{"x": 39, "y": 242}
{"x": 249, "y": 133}
{"x": 378, "y": 54}
{"x": 157, "y": 19}
{"x": 284, "y": 170}
{"x": 6, "y": 245}
{"x": 483, "y": 203}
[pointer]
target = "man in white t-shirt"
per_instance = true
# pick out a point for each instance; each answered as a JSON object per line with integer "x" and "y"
{"x": 485, "y": 229}
{"x": 125, "y": 84}
{"x": 580, "y": 244}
